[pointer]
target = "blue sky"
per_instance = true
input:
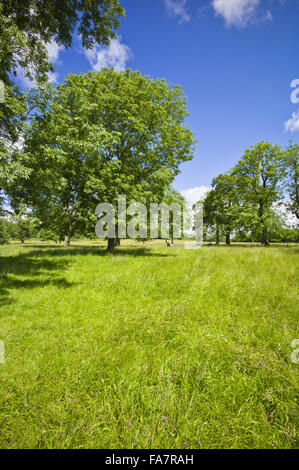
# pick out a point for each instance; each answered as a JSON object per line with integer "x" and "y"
{"x": 235, "y": 60}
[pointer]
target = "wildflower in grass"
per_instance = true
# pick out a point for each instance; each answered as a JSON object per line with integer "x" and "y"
{"x": 186, "y": 444}
{"x": 129, "y": 423}
{"x": 295, "y": 415}
{"x": 62, "y": 436}
{"x": 101, "y": 416}
{"x": 165, "y": 418}
{"x": 199, "y": 442}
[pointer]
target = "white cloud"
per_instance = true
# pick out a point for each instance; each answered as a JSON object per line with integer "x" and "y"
{"x": 292, "y": 124}
{"x": 178, "y": 8}
{"x": 288, "y": 218}
{"x": 240, "y": 13}
{"x": 24, "y": 81}
{"x": 193, "y": 195}
{"x": 53, "y": 50}
{"x": 115, "y": 55}
{"x": 53, "y": 77}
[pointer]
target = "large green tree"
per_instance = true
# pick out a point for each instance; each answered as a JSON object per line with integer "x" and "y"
{"x": 102, "y": 134}
{"x": 258, "y": 174}
{"x": 291, "y": 183}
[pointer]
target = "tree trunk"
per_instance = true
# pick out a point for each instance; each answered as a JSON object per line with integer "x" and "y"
{"x": 265, "y": 239}
{"x": 67, "y": 240}
{"x": 227, "y": 237}
{"x": 117, "y": 242}
{"x": 111, "y": 245}
{"x": 217, "y": 235}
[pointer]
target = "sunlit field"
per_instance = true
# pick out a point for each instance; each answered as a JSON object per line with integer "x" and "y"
{"x": 152, "y": 347}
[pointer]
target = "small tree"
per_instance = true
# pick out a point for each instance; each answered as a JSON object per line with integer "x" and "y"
{"x": 22, "y": 224}
{"x": 48, "y": 234}
{"x": 4, "y": 236}
{"x": 222, "y": 206}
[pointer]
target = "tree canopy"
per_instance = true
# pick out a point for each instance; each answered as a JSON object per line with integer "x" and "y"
{"x": 222, "y": 204}
{"x": 290, "y": 164}
{"x": 100, "y": 135}
{"x": 258, "y": 173}
{"x": 26, "y": 27}
{"x": 250, "y": 199}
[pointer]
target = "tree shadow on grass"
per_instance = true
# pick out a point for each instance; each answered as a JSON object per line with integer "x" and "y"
{"x": 97, "y": 251}
{"x": 35, "y": 268}
{"x": 30, "y": 270}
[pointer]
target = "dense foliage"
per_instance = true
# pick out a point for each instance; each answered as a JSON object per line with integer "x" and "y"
{"x": 26, "y": 28}
{"x": 247, "y": 200}
{"x": 96, "y": 136}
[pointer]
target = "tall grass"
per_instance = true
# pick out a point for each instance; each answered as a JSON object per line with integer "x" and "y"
{"x": 149, "y": 348}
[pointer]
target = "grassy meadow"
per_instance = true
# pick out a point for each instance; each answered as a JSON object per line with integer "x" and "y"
{"x": 152, "y": 347}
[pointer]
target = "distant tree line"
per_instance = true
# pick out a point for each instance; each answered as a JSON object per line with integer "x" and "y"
{"x": 245, "y": 203}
